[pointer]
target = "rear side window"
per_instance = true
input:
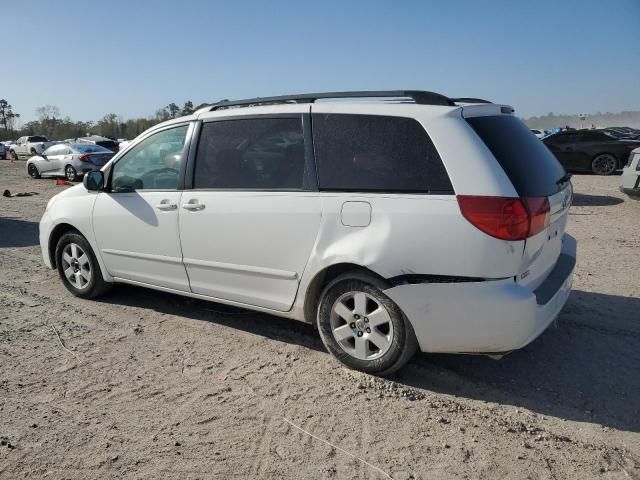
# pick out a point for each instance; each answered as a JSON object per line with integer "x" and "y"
{"x": 259, "y": 154}
{"x": 374, "y": 153}
{"x": 533, "y": 170}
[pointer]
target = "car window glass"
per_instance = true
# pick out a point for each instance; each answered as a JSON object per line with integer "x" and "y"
{"x": 53, "y": 150}
{"x": 374, "y": 153}
{"x": 258, "y": 153}
{"x": 152, "y": 164}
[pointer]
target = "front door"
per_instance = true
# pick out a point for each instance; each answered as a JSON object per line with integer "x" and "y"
{"x": 250, "y": 222}
{"x": 136, "y": 220}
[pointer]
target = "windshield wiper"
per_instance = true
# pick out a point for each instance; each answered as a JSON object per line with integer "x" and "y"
{"x": 564, "y": 179}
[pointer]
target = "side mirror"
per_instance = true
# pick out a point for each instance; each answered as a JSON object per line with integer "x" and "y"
{"x": 94, "y": 181}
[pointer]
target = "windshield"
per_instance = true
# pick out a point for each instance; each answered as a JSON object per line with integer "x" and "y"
{"x": 89, "y": 148}
{"x": 533, "y": 170}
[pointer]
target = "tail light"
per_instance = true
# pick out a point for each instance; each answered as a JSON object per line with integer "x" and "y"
{"x": 506, "y": 218}
{"x": 84, "y": 158}
{"x": 539, "y": 212}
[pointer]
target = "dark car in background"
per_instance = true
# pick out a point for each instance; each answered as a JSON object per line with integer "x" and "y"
{"x": 590, "y": 150}
{"x": 98, "y": 140}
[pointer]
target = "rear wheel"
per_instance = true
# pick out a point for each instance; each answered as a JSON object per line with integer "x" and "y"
{"x": 33, "y": 171}
{"x": 70, "y": 173}
{"x": 604, "y": 164}
{"x": 78, "y": 267}
{"x": 14, "y": 155}
{"x": 33, "y": 151}
{"x": 363, "y": 328}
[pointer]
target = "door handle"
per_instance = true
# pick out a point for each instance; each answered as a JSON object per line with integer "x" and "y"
{"x": 193, "y": 206}
{"x": 166, "y": 206}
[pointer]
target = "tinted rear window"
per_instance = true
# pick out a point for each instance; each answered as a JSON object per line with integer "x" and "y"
{"x": 37, "y": 139}
{"x": 90, "y": 148}
{"x": 533, "y": 170}
{"x": 374, "y": 153}
{"x": 108, "y": 144}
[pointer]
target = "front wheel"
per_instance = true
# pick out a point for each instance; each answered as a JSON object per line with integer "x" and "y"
{"x": 604, "y": 164}
{"x": 70, "y": 173}
{"x": 363, "y": 328}
{"x": 78, "y": 267}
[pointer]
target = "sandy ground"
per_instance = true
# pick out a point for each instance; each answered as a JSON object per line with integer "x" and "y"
{"x": 151, "y": 385}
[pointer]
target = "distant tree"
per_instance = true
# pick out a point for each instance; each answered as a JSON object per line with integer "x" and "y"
{"x": 187, "y": 109}
{"x": 48, "y": 115}
{"x": 7, "y": 116}
{"x": 173, "y": 110}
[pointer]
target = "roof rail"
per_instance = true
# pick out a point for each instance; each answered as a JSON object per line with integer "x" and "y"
{"x": 419, "y": 96}
{"x": 469, "y": 100}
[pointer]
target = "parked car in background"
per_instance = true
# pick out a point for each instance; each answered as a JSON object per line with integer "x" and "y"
{"x": 538, "y": 133}
{"x": 68, "y": 160}
{"x": 247, "y": 205}
{"x": 590, "y": 150}
{"x": 3, "y": 151}
{"x": 623, "y": 133}
{"x": 29, "y": 145}
{"x": 98, "y": 140}
{"x": 124, "y": 144}
{"x": 630, "y": 180}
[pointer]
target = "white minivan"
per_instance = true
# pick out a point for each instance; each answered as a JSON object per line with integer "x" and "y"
{"x": 393, "y": 221}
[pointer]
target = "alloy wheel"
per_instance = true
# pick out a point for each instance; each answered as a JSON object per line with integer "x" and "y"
{"x": 76, "y": 266}
{"x": 361, "y": 325}
{"x": 604, "y": 164}
{"x": 70, "y": 173}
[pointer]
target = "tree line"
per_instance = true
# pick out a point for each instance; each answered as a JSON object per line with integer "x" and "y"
{"x": 52, "y": 124}
{"x": 600, "y": 120}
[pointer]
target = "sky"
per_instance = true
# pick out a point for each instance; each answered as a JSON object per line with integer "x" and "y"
{"x": 132, "y": 57}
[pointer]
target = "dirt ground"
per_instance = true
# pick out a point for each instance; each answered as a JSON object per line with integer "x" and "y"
{"x": 142, "y": 384}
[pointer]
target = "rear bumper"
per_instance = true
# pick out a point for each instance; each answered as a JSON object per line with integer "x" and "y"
{"x": 630, "y": 182}
{"x": 485, "y": 317}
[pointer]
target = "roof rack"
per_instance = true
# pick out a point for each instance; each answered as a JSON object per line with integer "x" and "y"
{"x": 418, "y": 96}
{"x": 470, "y": 100}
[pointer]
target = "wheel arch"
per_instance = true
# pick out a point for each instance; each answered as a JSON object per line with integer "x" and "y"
{"x": 57, "y": 233}
{"x": 323, "y": 277}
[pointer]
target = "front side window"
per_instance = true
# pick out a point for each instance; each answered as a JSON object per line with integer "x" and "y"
{"x": 152, "y": 164}
{"x": 374, "y": 153}
{"x": 255, "y": 154}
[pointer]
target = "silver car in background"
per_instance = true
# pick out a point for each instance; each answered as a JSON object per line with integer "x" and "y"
{"x": 68, "y": 160}
{"x": 630, "y": 180}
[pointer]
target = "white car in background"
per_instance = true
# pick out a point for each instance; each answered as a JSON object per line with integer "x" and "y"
{"x": 29, "y": 145}
{"x": 367, "y": 224}
{"x": 630, "y": 179}
{"x": 68, "y": 160}
{"x": 539, "y": 133}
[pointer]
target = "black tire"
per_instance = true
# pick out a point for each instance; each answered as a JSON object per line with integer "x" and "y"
{"x": 70, "y": 173}
{"x": 34, "y": 152}
{"x": 403, "y": 344}
{"x": 14, "y": 155}
{"x": 33, "y": 171}
{"x": 96, "y": 285}
{"x": 604, "y": 164}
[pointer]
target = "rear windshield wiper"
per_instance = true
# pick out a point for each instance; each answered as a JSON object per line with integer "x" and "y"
{"x": 564, "y": 179}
